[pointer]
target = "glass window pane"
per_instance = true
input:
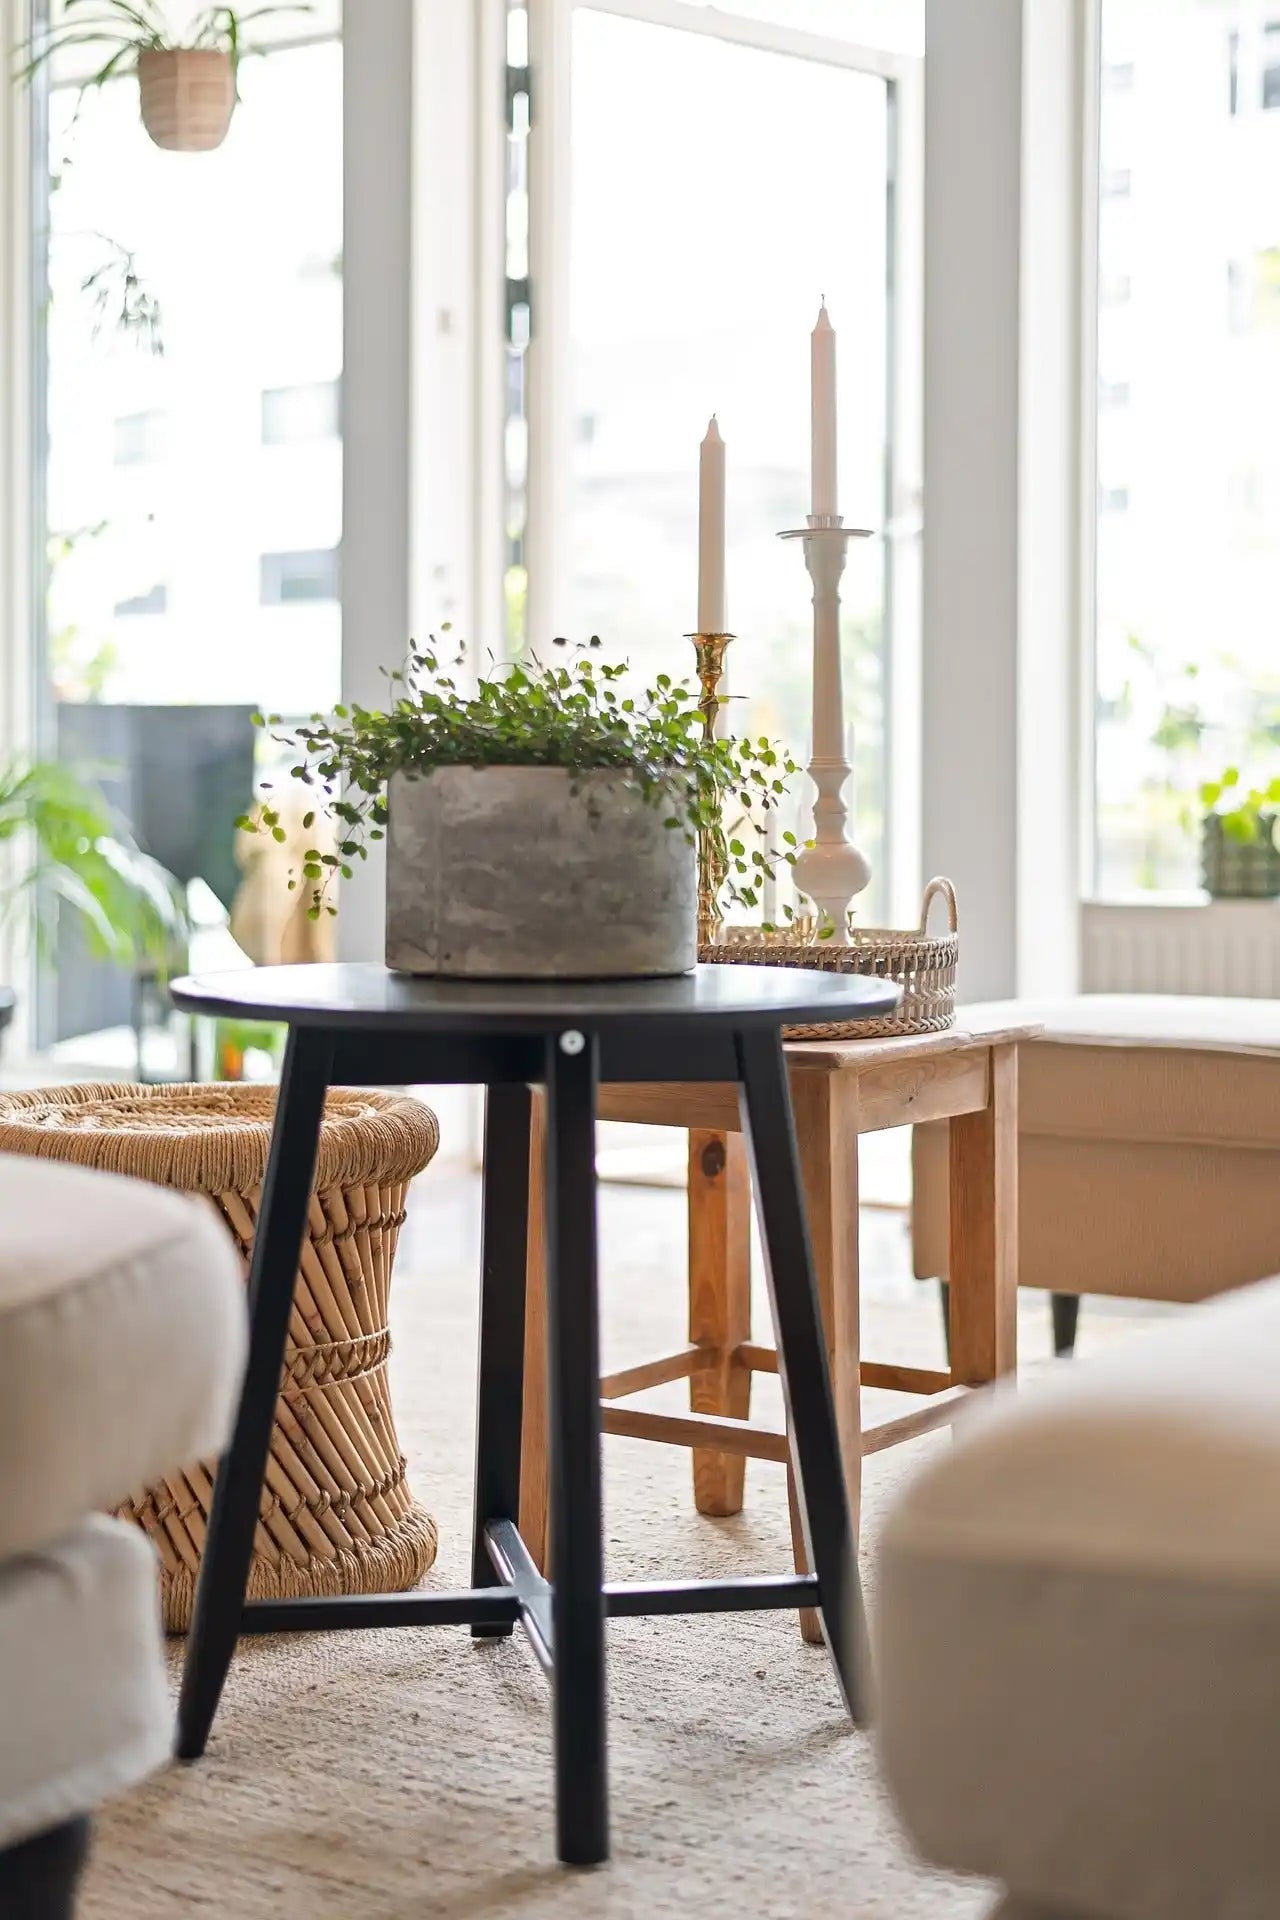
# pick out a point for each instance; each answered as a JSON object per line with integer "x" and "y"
{"x": 156, "y": 463}
{"x": 192, "y": 342}
{"x": 701, "y": 251}
{"x": 309, "y": 412}
{"x": 1188, "y": 540}
{"x": 290, "y": 577}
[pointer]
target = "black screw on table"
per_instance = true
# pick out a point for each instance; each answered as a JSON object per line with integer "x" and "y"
{"x": 363, "y": 1026}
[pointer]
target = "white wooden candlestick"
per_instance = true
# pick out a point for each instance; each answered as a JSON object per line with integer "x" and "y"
{"x": 832, "y": 870}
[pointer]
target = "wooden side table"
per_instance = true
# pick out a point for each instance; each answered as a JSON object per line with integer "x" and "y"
{"x": 839, "y": 1089}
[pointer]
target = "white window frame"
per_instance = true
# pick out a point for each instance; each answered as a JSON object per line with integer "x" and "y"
{"x": 550, "y": 25}
{"x": 1158, "y": 942}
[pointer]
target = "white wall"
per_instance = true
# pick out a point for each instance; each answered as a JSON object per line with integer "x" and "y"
{"x": 972, "y": 259}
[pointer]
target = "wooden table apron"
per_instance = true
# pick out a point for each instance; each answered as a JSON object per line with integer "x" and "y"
{"x": 839, "y": 1090}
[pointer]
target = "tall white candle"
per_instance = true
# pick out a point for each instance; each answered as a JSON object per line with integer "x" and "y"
{"x": 711, "y": 532}
{"x": 823, "y": 408}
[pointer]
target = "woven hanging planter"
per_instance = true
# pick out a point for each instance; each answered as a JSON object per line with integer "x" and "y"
{"x": 337, "y": 1516}
{"x": 923, "y": 964}
{"x": 188, "y": 96}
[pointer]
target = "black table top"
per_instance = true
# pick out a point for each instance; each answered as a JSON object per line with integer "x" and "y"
{"x": 367, "y": 994}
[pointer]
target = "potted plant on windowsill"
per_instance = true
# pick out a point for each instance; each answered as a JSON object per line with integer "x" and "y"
{"x": 188, "y": 89}
{"x": 543, "y": 826}
{"x": 1239, "y": 851}
{"x": 61, "y": 851}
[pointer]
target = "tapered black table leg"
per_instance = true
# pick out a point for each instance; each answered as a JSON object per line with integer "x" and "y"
{"x": 577, "y": 1550}
{"x": 802, "y": 1359}
{"x": 228, "y": 1549}
{"x": 500, "y": 1394}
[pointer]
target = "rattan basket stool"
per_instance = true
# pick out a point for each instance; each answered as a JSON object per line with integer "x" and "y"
{"x": 337, "y": 1516}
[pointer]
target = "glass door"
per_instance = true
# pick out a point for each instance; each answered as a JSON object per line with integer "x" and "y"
{"x": 719, "y": 179}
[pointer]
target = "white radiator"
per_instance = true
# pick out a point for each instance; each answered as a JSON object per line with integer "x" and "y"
{"x": 1229, "y": 947}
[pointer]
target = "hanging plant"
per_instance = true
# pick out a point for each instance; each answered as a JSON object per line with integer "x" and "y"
{"x": 121, "y": 302}
{"x": 188, "y": 89}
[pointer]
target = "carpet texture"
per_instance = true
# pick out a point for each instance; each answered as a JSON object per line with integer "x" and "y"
{"x": 408, "y": 1773}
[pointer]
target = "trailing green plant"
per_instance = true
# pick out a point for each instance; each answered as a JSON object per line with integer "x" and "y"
{"x": 576, "y": 714}
{"x": 68, "y": 851}
{"x": 126, "y": 28}
{"x": 1247, "y": 814}
{"x": 121, "y": 300}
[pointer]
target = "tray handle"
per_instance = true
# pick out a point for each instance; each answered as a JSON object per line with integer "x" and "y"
{"x": 938, "y": 888}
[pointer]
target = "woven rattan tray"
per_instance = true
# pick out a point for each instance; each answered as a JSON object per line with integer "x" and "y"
{"x": 923, "y": 963}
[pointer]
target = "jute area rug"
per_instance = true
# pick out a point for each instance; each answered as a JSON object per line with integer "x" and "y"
{"x": 395, "y": 1774}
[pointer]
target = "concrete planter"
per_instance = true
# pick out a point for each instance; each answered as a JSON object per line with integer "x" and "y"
{"x": 509, "y": 873}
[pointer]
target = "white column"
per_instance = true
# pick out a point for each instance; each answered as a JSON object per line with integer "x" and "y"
{"x": 973, "y": 126}
{"x": 548, "y": 366}
{"x": 456, "y": 315}
{"x": 377, "y": 505}
{"x": 1001, "y": 460}
{"x": 1055, "y": 578}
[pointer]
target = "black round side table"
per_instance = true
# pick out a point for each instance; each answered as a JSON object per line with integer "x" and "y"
{"x": 359, "y": 1025}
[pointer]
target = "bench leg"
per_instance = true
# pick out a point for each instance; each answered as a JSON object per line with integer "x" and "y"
{"x": 719, "y": 1304}
{"x": 826, "y": 1116}
{"x": 984, "y": 1231}
{"x": 1065, "y": 1308}
{"x": 39, "y": 1877}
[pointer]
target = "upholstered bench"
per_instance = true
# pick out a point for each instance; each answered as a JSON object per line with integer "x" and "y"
{"x": 1148, "y": 1148}
{"x": 1079, "y": 1632}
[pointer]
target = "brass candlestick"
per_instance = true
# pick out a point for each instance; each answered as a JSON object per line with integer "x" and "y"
{"x": 710, "y": 650}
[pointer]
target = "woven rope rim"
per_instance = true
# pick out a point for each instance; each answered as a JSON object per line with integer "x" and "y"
{"x": 208, "y": 1139}
{"x": 923, "y": 963}
{"x": 931, "y": 950}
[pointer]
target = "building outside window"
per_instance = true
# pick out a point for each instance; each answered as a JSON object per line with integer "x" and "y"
{"x": 291, "y": 579}
{"x": 296, "y": 414}
{"x": 140, "y": 438}
{"x": 155, "y": 600}
{"x": 1271, "y": 67}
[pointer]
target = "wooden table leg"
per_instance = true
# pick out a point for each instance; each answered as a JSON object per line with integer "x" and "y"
{"x": 719, "y": 1304}
{"x": 534, "y": 1509}
{"x": 826, "y": 1115}
{"x": 984, "y": 1231}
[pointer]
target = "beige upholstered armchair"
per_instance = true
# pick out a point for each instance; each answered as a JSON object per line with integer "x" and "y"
{"x": 121, "y": 1340}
